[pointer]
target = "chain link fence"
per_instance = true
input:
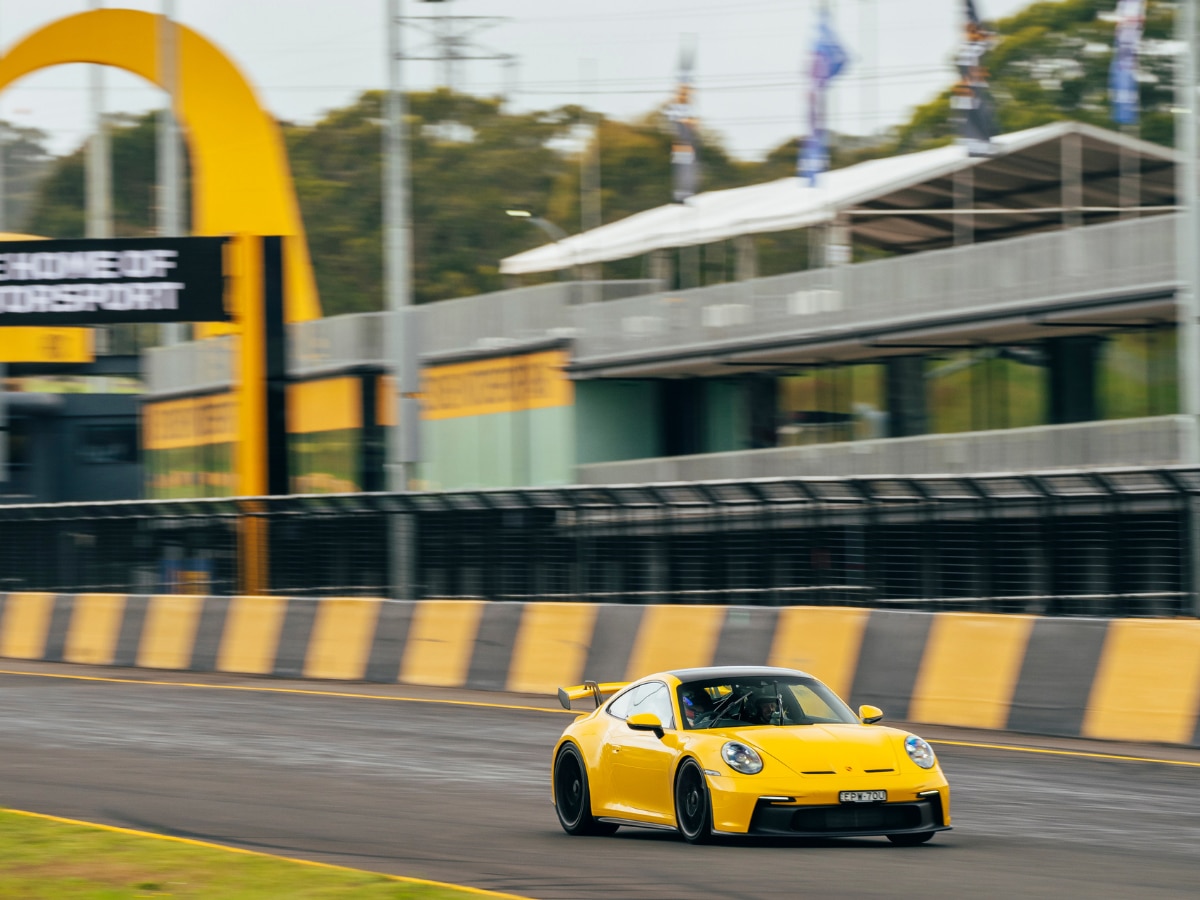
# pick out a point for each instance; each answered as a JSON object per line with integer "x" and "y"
{"x": 1097, "y": 542}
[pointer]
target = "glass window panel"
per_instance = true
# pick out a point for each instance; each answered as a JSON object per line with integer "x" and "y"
{"x": 1124, "y": 375}
{"x": 949, "y": 389}
{"x": 1164, "y": 372}
{"x": 833, "y": 403}
{"x": 868, "y": 393}
{"x": 1022, "y": 371}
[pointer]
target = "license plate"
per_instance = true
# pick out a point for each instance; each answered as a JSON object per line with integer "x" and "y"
{"x": 862, "y": 796}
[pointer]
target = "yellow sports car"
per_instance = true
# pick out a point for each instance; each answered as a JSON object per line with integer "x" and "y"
{"x": 752, "y": 750}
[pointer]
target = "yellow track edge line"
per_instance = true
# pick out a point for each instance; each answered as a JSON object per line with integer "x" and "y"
{"x": 480, "y": 892}
{"x": 279, "y": 690}
{"x": 1011, "y": 748}
{"x": 1079, "y": 754}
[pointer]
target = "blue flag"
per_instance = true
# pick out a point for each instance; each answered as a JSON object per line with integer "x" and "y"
{"x": 829, "y": 59}
{"x": 1122, "y": 73}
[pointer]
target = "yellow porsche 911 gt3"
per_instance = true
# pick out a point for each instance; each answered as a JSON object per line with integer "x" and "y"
{"x": 753, "y": 750}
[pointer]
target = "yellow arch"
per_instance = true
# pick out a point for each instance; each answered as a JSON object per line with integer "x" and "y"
{"x": 241, "y": 181}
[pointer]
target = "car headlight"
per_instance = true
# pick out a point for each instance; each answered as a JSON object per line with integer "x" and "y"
{"x": 742, "y": 758}
{"x": 919, "y": 751}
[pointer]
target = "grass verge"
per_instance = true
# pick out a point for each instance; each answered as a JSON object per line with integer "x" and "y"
{"x": 43, "y": 857}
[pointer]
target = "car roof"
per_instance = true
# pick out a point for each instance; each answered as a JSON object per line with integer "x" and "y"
{"x": 706, "y": 672}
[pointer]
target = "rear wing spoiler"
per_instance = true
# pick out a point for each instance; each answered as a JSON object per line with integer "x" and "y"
{"x": 599, "y": 692}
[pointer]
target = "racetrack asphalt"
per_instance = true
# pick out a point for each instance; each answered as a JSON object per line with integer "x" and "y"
{"x": 445, "y": 785}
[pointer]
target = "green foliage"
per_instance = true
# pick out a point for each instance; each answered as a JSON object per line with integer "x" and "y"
{"x": 60, "y": 208}
{"x": 471, "y": 159}
{"x": 26, "y": 164}
{"x": 1050, "y": 62}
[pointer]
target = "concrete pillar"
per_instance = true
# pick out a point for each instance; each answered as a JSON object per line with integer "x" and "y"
{"x": 1072, "y": 364}
{"x": 746, "y": 258}
{"x": 906, "y": 402}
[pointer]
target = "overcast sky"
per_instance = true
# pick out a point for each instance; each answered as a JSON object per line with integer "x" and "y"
{"x": 618, "y": 56}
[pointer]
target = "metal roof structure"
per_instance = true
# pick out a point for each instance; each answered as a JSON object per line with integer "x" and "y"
{"x": 1039, "y": 179}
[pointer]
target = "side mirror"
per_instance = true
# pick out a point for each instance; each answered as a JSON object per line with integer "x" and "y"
{"x": 645, "y": 722}
{"x": 870, "y": 714}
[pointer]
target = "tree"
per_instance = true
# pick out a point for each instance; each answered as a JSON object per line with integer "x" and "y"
{"x": 60, "y": 208}
{"x": 1050, "y": 62}
{"x": 469, "y": 162}
{"x": 26, "y": 162}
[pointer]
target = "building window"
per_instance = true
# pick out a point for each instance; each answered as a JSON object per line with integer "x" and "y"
{"x": 827, "y": 404}
{"x": 986, "y": 388}
{"x": 1136, "y": 374}
{"x": 109, "y": 443}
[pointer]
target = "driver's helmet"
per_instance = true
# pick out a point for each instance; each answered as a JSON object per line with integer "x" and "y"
{"x": 696, "y": 702}
{"x": 767, "y": 706}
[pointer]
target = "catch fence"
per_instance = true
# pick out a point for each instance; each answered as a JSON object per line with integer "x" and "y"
{"x": 1096, "y": 542}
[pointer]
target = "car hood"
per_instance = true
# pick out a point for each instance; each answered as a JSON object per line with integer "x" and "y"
{"x": 828, "y": 748}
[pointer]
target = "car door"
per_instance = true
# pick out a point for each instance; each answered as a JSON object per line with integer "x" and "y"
{"x": 643, "y": 761}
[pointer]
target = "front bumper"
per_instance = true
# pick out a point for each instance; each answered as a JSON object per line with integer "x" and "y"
{"x": 748, "y": 805}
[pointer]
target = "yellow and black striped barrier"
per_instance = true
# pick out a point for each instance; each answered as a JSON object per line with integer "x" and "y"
{"x": 1118, "y": 679}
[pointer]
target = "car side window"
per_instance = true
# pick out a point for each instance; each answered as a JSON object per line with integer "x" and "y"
{"x": 651, "y": 697}
{"x": 656, "y": 699}
{"x": 619, "y": 707}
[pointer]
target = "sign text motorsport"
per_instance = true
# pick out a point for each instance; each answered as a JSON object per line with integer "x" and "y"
{"x": 94, "y": 282}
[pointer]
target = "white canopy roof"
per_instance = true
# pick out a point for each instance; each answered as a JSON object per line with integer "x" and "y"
{"x": 899, "y": 203}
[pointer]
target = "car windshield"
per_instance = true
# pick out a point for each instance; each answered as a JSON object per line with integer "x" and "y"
{"x": 760, "y": 700}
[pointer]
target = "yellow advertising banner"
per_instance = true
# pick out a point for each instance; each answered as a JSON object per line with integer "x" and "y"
{"x": 330, "y": 404}
{"x": 502, "y": 384}
{"x": 31, "y": 344}
{"x": 190, "y": 422}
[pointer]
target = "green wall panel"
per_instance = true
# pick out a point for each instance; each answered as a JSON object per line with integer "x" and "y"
{"x": 725, "y": 420}
{"x": 617, "y": 420}
{"x": 527, "y": 447}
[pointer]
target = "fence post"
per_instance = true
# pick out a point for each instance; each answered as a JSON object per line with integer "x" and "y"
{"x": 402, "y": 546}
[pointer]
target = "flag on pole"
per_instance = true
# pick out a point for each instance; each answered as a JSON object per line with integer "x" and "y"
{"x": 685, "y": 167}
{"x": 828, "y": 60}
{"x": 971, "y": 101}
{"x": 1122, "y": 73}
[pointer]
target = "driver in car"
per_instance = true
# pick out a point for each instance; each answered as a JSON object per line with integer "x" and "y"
{"x": 697, "y": 707}
{"x": 767, "y": 712}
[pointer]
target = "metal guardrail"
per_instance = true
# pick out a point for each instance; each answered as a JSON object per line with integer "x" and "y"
{"x": 633, "y": 322}
{"x": 192, "y": 367}
{"x": 1151, "y": 441}
{"x": 1008, "y": 276}
{"x": 1087, "y": 542}
{"x": 483, "y": 323}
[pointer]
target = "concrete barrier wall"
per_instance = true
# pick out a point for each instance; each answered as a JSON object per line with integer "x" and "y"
{"x": 1119, "y": 679}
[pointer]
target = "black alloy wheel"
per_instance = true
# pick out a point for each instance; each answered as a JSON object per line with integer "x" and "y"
{"x": 572, "y": 801}
{"x": 693, "y": 809}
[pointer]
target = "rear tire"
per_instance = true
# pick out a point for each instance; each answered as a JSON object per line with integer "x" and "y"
{"x": 910, "y": 840}
{"x": 693, "y": 806}
{"x": 572, "y": 799}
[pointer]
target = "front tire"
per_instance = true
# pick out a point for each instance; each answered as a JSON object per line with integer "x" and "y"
{"x": 693, "y": 806}
{"x": 910, "y": 840}
{"x": 572, "y": 799}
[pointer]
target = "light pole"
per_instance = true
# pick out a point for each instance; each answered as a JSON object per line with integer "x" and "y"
{"x": 1187, "y": 237}
{"x": 556, "y": 234}
{"x": 552, "y": 231}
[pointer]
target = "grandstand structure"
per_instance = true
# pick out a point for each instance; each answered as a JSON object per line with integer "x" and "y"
{"x": 1042, "y": 337}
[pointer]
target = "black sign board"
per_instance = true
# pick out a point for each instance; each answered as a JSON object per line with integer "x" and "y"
{"x": 102, "y": 282}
